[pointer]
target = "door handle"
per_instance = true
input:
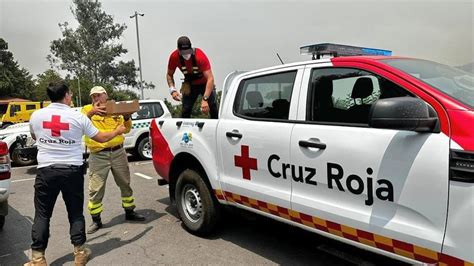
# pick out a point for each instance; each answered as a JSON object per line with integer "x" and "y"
{"x": 311, "y": 144}
{"x": 233, "y": 134}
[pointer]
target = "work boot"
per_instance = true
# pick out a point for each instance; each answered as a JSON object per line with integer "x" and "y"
{"x": 131, "y": 215}
{"x": 81, "y": 255}
{"x": 96, "y": 224}
{"x": 37, "y": 259}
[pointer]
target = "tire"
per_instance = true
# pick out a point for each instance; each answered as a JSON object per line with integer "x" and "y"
{"x": 197, "y": 208}
{"x": 19, "y": 160}
{"x": 2, "y": 222}
{"x": 143, "y": 150}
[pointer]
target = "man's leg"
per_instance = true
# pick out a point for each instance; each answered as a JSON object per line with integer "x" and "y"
{"x": 46, "y": 193}
{"x": 213, "y": 109}
{"x": 73, "y": 195}
{"x": 188, "y": 102}
{"x": 99, "y": 166}
{"x": 121, "y": 173}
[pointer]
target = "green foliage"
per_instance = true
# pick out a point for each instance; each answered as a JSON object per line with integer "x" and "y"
{"x": 14, "y": 80}
{"x": 42, "y": 82}
{"x": 91, "y": 51}
{"x": 123, "y": 95}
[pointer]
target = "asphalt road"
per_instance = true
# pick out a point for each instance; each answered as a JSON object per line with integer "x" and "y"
{"x": 243, "y": 238}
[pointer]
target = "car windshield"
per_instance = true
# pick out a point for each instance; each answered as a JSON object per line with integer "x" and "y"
{"x": 449, "y": 80}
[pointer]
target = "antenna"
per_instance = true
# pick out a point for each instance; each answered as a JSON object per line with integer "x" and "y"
{"x": 280, "y": 59}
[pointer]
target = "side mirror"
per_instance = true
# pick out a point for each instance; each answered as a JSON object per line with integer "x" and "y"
{"x": 403, "y": 113}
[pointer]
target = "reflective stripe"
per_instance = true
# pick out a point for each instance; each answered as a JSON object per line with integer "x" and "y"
{"x": 127, "y": 199}
{"x": 127, "y": 205}
{"x": 95, "y": 208}
{"x": 394, "y": 246}
{"x": 128, "y": 202}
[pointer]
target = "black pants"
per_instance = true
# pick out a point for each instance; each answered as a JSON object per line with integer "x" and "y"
{"x": 50, "y": 180}
{"x": 189, "y": 100}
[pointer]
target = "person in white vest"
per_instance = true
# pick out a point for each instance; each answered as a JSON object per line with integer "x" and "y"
{"x": 58, "y": 131}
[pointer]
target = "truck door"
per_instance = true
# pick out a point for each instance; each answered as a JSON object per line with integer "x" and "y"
{"x": 253, "y": 128}
{"x": 30, "y": 108}
{"x": 381, "y": 187}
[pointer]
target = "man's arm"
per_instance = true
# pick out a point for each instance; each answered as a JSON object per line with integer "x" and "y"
{"x": 92, "y": 132}
{"x": 106, "y": 136}
{"x": 209, "y": 87}
{"x": 210, "y": 82}
{"x": 94, "y": 109}
{"x": 32, "y": 133}
{"x": 170, "y": 79}
{"x": 127, "y": 122}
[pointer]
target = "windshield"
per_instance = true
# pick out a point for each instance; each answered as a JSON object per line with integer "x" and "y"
{"x": 449, "y": 80}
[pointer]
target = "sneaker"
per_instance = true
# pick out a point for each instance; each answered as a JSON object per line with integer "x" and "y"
{"x": 133, "y": 216}
{"x": 82, "y": 256}
{"x": 94, "y": 227}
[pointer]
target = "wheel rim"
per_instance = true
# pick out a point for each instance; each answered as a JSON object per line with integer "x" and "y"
{"x": 191, "y": 203}
{"x": 146, "y": 150}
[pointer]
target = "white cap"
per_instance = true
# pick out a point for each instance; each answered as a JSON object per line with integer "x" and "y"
{"x": 97, "y": 89}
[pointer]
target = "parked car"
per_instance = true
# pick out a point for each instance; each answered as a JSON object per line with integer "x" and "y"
{"x": 5, "y": 175}
{"x": 136, "y": 141}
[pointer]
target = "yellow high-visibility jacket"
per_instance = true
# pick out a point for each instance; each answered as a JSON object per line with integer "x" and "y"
{"x": 106, "y": 123}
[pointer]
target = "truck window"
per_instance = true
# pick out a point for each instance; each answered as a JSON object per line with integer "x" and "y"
{"x": 147, "y": 111}
{"x": 265, "y": 97}
{"x": 346, "y": 95}
{"x": 31, "y": 107}
{"x": 3, "y": 109}
{"x": 14, "y": 108}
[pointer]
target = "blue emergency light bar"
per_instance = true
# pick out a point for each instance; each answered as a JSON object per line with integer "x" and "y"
{"x": 332, "y": 49}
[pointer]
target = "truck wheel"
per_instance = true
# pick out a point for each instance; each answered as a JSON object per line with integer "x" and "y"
{"x": 196, "y": 206}
{"x": 19, "y": 160}
{"x": 2, "y": 222}
{"x": 144, "y": 149}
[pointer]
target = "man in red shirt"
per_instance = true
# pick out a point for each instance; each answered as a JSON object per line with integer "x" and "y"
{"x": 198, "y": 78}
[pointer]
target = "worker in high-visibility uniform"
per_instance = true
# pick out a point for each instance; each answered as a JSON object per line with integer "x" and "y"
{"x": 107, "y": 156}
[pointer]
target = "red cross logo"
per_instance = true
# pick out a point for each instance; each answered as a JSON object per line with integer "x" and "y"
{"x": 55, "y": 125}
{"x": 245, "y": 162}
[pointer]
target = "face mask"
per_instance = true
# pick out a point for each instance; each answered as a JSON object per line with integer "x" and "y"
{"x": 186, "y": 56}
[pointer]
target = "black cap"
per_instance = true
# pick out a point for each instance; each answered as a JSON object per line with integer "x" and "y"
{"x": 184, "y": 43}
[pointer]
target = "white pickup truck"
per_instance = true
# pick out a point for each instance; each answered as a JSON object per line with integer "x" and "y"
{"x": 374, "y": 151}
{"x": 136, "y": 141}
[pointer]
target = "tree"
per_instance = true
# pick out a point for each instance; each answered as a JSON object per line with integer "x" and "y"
{"x": 92, "y": 50}
{"x": 14, "y": 81}
{"x": 42, "y": 82}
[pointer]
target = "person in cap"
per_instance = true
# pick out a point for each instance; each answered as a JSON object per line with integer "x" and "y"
{"x": 198, "y": 78}
{"x": 58, "y": 132}
{"x": 105, "y": 157}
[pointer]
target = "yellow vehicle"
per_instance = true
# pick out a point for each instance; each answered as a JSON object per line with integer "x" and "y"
{"x": 19, "y": 112}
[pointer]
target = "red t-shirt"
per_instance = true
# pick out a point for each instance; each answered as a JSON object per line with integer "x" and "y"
{"x": 201, "y": 61}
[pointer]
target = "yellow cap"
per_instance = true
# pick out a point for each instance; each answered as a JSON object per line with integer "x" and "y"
{"x": 97, "y": 89}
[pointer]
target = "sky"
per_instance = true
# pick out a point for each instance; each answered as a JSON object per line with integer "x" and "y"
{"x": 246, "y": 35}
